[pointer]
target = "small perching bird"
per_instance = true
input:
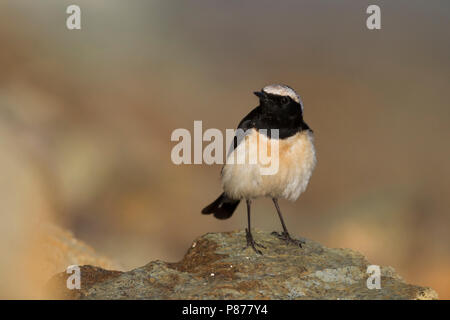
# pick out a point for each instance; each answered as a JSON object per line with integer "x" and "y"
{"x": 279, "y": 119}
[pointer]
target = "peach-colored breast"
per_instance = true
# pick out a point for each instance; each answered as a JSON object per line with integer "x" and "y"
{"x": 296, "y": 162}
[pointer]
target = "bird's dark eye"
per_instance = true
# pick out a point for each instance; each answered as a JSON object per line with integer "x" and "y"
{"x": 284, "y": 100}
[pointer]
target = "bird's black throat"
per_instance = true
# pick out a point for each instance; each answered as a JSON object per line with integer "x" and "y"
{"x": 287, "y": 118}
{"x": 287, "y": 125}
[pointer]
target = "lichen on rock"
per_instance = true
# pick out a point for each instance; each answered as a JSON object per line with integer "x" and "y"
{"x": 218, "y": 267}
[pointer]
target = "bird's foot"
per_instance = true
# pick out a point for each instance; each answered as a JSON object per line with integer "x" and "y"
{"x": 252, "y": 243}
{"x": 287, "y": 238}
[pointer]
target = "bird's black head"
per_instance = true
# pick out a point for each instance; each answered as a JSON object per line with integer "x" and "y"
{"x": 281, "y": 103}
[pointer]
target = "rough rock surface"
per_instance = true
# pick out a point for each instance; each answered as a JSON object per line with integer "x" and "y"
{"x": 57, "y": 249}
{"x": 217, "y": 267}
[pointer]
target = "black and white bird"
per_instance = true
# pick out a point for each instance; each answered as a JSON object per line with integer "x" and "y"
{"x": 280, "y": 107}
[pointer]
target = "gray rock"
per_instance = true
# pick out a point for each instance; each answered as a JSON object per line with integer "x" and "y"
{"x": 217, "y": 267}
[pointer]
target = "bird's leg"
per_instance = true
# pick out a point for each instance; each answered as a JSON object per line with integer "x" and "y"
{"x": 285, "y": 234}
{"x": 250, "y": 241}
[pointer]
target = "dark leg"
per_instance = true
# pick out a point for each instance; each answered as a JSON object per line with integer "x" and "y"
{"x": 285, "y": 234}
{"x": 250, "y": 241}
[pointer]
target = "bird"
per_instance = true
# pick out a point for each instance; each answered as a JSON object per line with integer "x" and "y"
{"x": 280, "y": 110}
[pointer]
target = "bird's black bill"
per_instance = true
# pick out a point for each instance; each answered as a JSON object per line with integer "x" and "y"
{"x": 259, "y": 94}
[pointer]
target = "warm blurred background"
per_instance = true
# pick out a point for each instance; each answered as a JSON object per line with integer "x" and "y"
{"x": 86, "y": 118}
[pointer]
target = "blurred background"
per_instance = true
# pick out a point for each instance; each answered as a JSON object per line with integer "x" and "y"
{"x": 86, "y": 118}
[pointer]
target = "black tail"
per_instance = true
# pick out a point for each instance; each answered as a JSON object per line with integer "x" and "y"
{"x": 222, "y": 208}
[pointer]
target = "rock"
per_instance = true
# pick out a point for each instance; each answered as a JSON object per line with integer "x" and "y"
{"x": 217, "y": 267}
{"x": 59, "y": 249}
{"x": 90, "y": 275}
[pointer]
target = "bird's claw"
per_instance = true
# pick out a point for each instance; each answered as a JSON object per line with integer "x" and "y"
{"x": 252, "y": 243}
{"x": 287, "y": 238}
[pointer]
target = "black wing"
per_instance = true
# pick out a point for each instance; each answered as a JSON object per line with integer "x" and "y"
{"x": 248, "y": 122}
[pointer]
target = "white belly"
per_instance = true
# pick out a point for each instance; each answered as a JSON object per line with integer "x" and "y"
{"x": 297, "y": 160}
